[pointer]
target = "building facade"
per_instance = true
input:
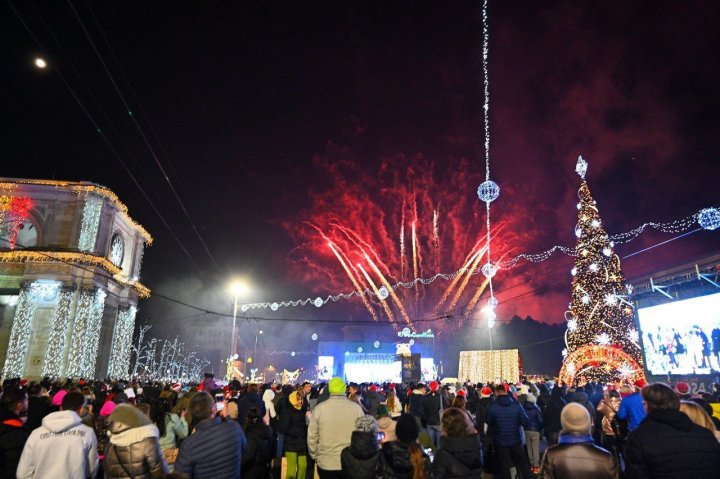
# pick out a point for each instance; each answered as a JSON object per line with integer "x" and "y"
{"x": 70, "y": 260}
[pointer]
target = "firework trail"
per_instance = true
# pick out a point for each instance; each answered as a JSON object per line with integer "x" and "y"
{"x": 375, "y": 289}
{"x": 354, "y": 282}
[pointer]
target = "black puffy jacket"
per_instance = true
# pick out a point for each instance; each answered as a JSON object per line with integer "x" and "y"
{"x": 458, "y": 458}
{"x": 432, "y": 409}
{"x": 504, "y": 418}
{"x": 13, "y": 436}
{"x": 667, "y": 444}
{"x": 551, "y": 415}
{"x": 294, "y": 426}
{"x": 258, "y": 453}
{"x": 360, "y": 459}
{"x": 395, "y": 462}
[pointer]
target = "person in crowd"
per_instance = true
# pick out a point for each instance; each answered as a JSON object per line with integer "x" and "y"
{"x": 172, "y": 429}
{"x": 208, "y": 384}
{"x": 609, "y": 407}
{"x": 294, "y": 427}
{"x": 183, "y": 404}
{"x": 251, "y": 399}
{"x": 432, "y": 408}
{"x": 405, "y": 458}
{"x": 13, "y": 433}
{"x": 551, "y": 415}
{"x": 62, "y": 447}
{"x": 393, "y": 403}
{"x": 505, "y": 417}
{"x": 415, "y": 401}
{"x": 373, "y": 399}
{"x": 214, "y": 449}
{"x": 704, "y": 402}
{"x": 38, "y": 406}
{"x": 134, "y": 447}
{"x": 360, "y": 459}
{"x": 533, "y": 431}
{"x": 631, "y": 407}
{"x": 576, "y": 455}
{"x": 683, "y": 390}
{"x": 258, "y": 454}
{"x": 699, "y": 416}
{"x": 386, "y": 425}
{"x": 330, "y": 431}
{"x": 280, "y": 409}
{"x": 460, "y": 453}
{"x": 580, "y": 396}
{"x": 668, "y": 444}
{"x": 101, "y": 425}
{"x": 459, "y": 401}
{"x": 357, "y": 399}
{"x": 270, "y": 415}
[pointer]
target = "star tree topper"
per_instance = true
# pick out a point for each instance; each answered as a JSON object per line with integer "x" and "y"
{"x": 581, "y": 167}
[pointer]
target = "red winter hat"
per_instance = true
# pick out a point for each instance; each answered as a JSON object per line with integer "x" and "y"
{"x": 433, "y": 386}
{"x": 391, "y": 387}
{"x": 682, "y": 388}
{"x": 461, "y": 393}
{"x": 486, "y": 392}
{"x": 640, "y": 383}
{"x": 372, "y": 388}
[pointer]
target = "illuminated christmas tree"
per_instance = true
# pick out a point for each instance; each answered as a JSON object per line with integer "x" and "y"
{"x": 601, "y": 338}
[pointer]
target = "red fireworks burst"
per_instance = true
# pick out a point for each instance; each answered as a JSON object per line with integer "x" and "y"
{"x": 410, "y": 219}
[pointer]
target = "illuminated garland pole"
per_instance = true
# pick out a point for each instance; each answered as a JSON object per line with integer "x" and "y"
{"x": 601, "y": 322}
{"x": 53, "y": 362}
{"x": 86, "y": 334}
{"x": 122, "y": 343}
{"x": 488, "y": 191}
{"x": 20, "y": 333}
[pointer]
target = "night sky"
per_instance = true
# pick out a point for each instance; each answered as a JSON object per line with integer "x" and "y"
{"x": 261, "y": 113}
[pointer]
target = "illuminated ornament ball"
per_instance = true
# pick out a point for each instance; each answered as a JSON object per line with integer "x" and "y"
{"x": 489, "y": 270}
{"x": 292, "y": 354}
{"x": 709, "y": 218}
{"x": 488, "y": 191}
{"x": 359, "y": 349}
{"x": 274, "y": 306}
{"x": 411, "y": 342}
{"x": 573, "y": 271}
{"x": 318, "y": 302}
{"x": 594, "y": 267}
{"x": 376, "y": 344}
{"x": 585, "y": 299}
{"x": 314, "y": 336}
{"x": 493, "y": 301}
{"x": 607, "y": 251}
{"x": 578, "y": 231}
{"x": 383, "y": 293}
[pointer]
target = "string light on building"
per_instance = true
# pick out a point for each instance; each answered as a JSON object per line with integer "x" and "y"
{"x": 20, "y": 333}
{"x": 52, "y": 364}
{"x": 122, "y": 339}
{"x": 85, "y": 335}
{"x": 90, "y": 224}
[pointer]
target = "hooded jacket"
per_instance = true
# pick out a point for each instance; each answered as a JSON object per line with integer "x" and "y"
{"x": 330, "y": 431}
{"x": 552, "y": 411}
{"x": 13, "y": 435}
{"x": 267, "y": 398}
{"x": 432, "y": 406}
{"x": 415, "y": 402}
{"x": 395, "y": 462}
{"x": 134, "y": 446}
{"x": 505, "y": 416}
{"x": 61, "y": 448}
{"x": 458, "y": 458}
{"x": 257, "y": 455}
{"x": 360, "y": 459}
{"x": 373, "y": 399}
{"x": 581, "y": 398}
{"x": 535, "y": 417}
{"x": 667, "y": 444}
{"x": 294, "y": 426}
{"x": 577, "y": 456}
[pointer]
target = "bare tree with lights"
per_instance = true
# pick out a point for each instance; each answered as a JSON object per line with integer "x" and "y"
{"x": 602, "y": 341}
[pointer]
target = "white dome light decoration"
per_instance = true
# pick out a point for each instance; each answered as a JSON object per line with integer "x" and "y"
{"x": 585, "y": 299}
{"x": 572, "y": 325}
{"x": 709, "y": 218}
{"x": 607, "y": 251}
{"x": 578, "y": 231}
{"x": 292, "y": 354}
{"x": 594, "y": 267}
{"x": 411, "y": 342}
{"x": 383, "y": 293}
{"x": 359, "y": 349}
{"x": 489, "y": 270}
{"x": 376, "y": 344}
{"x": 314, "y": 336}
{"x": 274, "y": 306}
{"x": 564, "y": 352}
{"x": 488, "y": 191}
{"x": 318, "y": 302}
{"x": 579, "y": 205}
{"x": 493, "y": 301}
{"x": 603, "y": 339}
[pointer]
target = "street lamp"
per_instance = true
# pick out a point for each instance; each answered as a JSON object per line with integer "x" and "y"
{"x": 489, "y": 312}
{"x": 237, "y": 288}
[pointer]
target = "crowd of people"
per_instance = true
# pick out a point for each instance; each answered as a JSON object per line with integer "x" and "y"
{"x": 337, "y": 430}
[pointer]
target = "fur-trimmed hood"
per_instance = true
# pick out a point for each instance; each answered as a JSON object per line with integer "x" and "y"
{"x": 131, "y": 436}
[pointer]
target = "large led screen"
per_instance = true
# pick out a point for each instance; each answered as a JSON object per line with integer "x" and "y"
{"x": 682, "y": 337}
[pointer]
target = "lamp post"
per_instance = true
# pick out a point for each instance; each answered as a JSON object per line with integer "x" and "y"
{"x": 238, "y": 288}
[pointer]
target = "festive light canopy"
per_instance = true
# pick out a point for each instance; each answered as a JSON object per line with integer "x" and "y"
{"x": 599, "y": 313}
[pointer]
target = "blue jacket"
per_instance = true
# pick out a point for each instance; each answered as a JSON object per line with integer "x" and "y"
{"x": 631, "y": 408}
{"x": 535, "y": 417}
{"x": 214, "y": 450}
{"x": 504, "y": 419}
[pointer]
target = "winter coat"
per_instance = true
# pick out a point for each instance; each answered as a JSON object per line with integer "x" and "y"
{"x": 175, "y": 428}
{"x": 101, "y": 426}
{"x": 38, "y": 408}
{"x": 415, "y": 403}
{"x": 213, "y": 451}
{"x": 481, "y": 414}
{"x": 373, "y": 399}
{"x": 632, "y": 409}
{"x": 552, "y": 412}
{"x": 13, "y": 435}
{"x": 62, "y": 448}
{"x": 535, "y": 417}
{"x": 582, "y": 399}
{"x": 577, "y": 456}
{"x": 257, "y": 455}
{"x": 458, "y": 458}
{"x": 134, "y": 446}
{"x": 504, "y": 419}
{"x": 267, "y": 398}
{"x": 608, "y": 408}
{"x": 387, "y": 426}
{"x": 395, "y": 462}
{"x": 431, "y": 409}
{"x": 667, "y": 444}
{"x": 294, "y": 426}
{"x": 330, "y": 431}
{"x": 249, "y": 401}
{"x": 360, "y": 459}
